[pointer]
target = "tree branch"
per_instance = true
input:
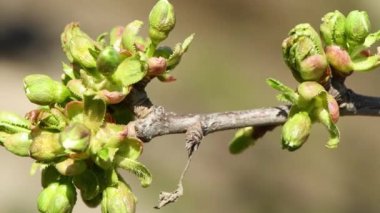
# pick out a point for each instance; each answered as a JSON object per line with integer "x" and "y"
{"x": 157, "y": 121}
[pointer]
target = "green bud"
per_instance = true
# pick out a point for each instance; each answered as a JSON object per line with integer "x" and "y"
{"x": 118, "y": 199}
{"x": 49, "y": 175}
{"x": 75, "y": 137}
{"x": 18, "y": 144}
{"x": 296, "y": 130}
{"x": 333, "y": 28}
{"x": 58, "y": 197}
{"x": 161, "y": 21}
{"x": 94, "y": 202}
{"x": 77, "y": 45}
{"x": 12, "y": 123}
{"x": 71, "y": 30}
{"x": 88, "y": 184}
{"x": 309, "y": 90}
{"x": 110, "y": 135}
{"x": 104, "y": 158}
{"x": 164, "y": 52}
{"x": 358, "y": 27}
{"x": 304, "y": 55}
{"x": 52, "y": 120}
{"x": 242, "y": 140}
{"x": 42, "y": 90}
{"x": 71, "y": 167}
{"x": 339, "y": 59}
{"x": 46, "y": 146}
{"x": 107, "y": 61}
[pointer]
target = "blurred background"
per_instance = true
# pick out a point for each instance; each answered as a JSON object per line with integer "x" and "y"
{"x": 237, "y": 46}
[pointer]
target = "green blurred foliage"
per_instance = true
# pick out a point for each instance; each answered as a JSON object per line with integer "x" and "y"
{"x": 236, "y": 47}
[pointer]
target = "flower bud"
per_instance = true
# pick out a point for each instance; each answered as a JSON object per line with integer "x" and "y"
{"x": 104, "y": 158}
{"x": 112, "y": 97}
{"x": 49, "y": 175}
{"x": 118, "y": 199}
{"x": 339, "y": 59}
{"x": 242, "y": 140}
{"x": 309, "y": 89}
{"x": 52, "y": 120}
{"x": 88, "y": 184}
{"x": 71, "y": 30}
{"x": 18, "y": 144}
{"x": 42, "y": 90}
{"x": 296, "y": 130}
{"x": 75, "y": 137}
{"x": 333, "y": 108}
{"x": 333, "y": 29}
{"x": 46, "y": 147}
{"x": 161, "y": 21}
{"x": 76, "y": 45}
{"x": 107, "y": 61}
{"x": 358, "y": 27}
{"x": 156, "y": 66}
{"x": 164, "y": 52}
{"x": 304, "y": 55}
{"x": 58, "y": 197}
{"x": 12, "y": 123}
{"x": 71, "y": 167}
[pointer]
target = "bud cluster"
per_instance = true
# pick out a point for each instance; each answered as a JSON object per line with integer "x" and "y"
{"x": 342, "y": 47}
{"x": 311, "y": 103}
{"x": 80, "y": 134}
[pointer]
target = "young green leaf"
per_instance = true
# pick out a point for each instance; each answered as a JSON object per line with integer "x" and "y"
{"x": 94, "y": 111}
{"x": 287, "y": 93}
{"x": 136, "y": 168}
{"x": 130, "y": 71}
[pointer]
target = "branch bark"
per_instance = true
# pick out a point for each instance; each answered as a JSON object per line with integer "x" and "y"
{"x": 153, "y": 121}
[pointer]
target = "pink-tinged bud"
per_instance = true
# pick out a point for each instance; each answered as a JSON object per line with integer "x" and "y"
{"x": 166, "y": 77}
{"x": 71, "y": 167}
{"x": 313, "y": 67}
{"x": 339, "y": 59}
{"x": 309, "y": 89}
{"x": 333, "y": 108}
{"x": 156, "y": 66}
{"x": 112, "y": 97}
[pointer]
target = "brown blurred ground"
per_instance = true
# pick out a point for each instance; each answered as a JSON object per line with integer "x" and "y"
{"x": 237, "y": 46}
